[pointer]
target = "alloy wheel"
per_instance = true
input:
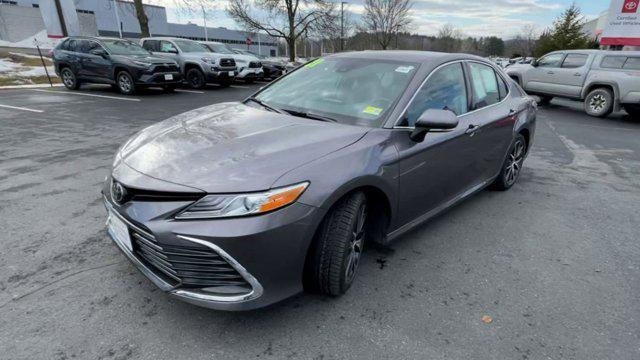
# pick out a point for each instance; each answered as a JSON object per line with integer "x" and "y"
{"x": 356, "y": 245}
{"x": 514, "y": 162}
{"x": 124, "y": 82}
{"x": 597, "y": 103}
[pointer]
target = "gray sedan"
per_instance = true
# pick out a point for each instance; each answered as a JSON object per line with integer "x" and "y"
{"x": 236, "y": 206}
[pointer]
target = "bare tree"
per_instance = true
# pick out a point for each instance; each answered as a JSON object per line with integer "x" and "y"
{"x": 386, "y": 18}
{"x": 449, "y": 38}
{"x": 189, "y": 6}
{"x": 285, "y": 19}
{"x": 528, "y": 36}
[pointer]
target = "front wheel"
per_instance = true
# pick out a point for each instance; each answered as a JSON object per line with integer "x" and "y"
{"x": 633, "y": 110}
{"x": 195, "y": 78}
{"x": 338, "y": 246}
{"x": 544, "y": 99}
{"x": 599, "y": 102}
{"x": 125, "y": 83}
{"x": 512, "y": 165}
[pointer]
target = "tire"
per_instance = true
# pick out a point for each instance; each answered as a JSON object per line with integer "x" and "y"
{"x": 633, "y": 110}
{"x": 544, "y": 99}
{"x": 599, "y": 102}
{"x": 69, "y": 79}
{"x": 169, "y": 88}
{"x": 338, "y": 247}
{"x": 125, "y": 83}
{"x": 512, "y": 165}
{"x": 195, "y": 78}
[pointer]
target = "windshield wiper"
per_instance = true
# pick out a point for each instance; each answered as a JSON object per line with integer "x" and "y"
{"x": 309, "y": 115}
{"x": 264, "y": 105}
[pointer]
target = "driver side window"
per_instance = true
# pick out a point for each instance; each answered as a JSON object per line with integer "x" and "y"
{"x": 445, "y": 90}
{"x": 166, "y": 47}
{"x": 552, "y": 60}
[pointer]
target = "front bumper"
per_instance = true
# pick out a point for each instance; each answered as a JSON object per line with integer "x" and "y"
{"x": 214, "y": 74}
{"x": 268, "y": 251}
{"x": 160, "y": 78}
{"x": 250, "y": 73}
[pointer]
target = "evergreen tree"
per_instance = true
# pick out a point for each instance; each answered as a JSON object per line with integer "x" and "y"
{"x": 566, "y": 33}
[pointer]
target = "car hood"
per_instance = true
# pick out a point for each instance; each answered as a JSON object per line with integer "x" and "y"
{"x": 245, "y": 58}
{"x": 232, "y": 147}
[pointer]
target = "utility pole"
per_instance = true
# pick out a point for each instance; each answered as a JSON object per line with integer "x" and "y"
{"x": 115, "y": 9}
{"x": 204, "y": 18}
{"x": 342, "y": 25}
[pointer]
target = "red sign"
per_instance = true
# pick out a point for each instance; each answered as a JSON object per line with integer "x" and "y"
{"x": 249, "y": 41}
{"x": 630, "y": 6}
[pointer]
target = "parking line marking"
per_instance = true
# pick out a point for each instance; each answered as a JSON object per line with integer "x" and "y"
{"x": 241, "y": 86}
{"x": 85, "y": 94}
{"x": 21, "y": 108}
{"x": 189, "y": 91}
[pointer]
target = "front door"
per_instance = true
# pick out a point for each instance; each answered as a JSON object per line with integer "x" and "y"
{"x": 434, "y": 171}
{"x": 541, "y": 78}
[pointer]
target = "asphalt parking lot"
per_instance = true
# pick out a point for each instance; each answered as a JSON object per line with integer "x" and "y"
{"x": 553, "y": 262}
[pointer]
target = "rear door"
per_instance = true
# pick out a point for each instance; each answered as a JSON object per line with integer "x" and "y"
{"x": 495, "y": 112}
{"x": 569, "y": 78}
{"x": 542, "y": 77}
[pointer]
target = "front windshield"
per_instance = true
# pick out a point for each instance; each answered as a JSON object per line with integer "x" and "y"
{"x": 124, "y": 47}
{"x": 219, "y": 48}
{"x": 190, "y": 46}
{"x": 352, "y": 91}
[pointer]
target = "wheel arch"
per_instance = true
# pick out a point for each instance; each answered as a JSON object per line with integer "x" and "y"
{"x": 117, "y": 69}
{"x": 601, "y": 84}
{"x": 190, "y": 65}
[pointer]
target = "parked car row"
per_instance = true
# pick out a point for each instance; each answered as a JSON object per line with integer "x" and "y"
{"x": 155, "y": 61}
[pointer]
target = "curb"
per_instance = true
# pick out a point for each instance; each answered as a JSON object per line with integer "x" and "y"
{"x": 30, "y": 86}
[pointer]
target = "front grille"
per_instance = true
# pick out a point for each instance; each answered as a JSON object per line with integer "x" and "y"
{"x": 255, "y": 64}
{"x": 166, "y": 68}
{"x": 188, "y": 266}
{"x": 227, "y": 62}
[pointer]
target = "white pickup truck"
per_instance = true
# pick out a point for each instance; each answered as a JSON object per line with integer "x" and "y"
{"x": 605, "y": 80}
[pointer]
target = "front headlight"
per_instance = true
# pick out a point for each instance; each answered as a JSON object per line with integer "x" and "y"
{"x": 208, "y": 60}
{"x": 230, "y": 205}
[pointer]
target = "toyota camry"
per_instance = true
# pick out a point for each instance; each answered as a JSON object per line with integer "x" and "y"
{"x": 236, "y": 206}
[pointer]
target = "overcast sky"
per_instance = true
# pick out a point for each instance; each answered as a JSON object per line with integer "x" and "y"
{"x": 502, "y": 18}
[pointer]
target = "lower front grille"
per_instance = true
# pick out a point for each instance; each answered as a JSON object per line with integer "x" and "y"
{"x": 255, "y": 65}
{"x": 188, "y": 266}
{"x": 165, "y": 68}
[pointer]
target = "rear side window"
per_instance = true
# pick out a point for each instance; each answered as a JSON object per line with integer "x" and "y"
{"x": 613, "y": 62}
{"x": 633, "y": 63}
{"x": 484, "y": 84}
{"x": 445, "y": 90}
{"x": 574, "y": 61}
{"x": 71, "y": 45}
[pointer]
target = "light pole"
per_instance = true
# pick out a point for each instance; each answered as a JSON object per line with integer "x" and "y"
{"x": 204, "y": 18}
{"x": 342, "y": 25}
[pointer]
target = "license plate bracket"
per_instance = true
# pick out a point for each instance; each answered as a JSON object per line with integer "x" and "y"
{"x": 119, "y": 231}
{"x": 168, "y": 76}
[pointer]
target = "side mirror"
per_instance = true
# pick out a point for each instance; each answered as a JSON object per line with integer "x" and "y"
{"x": 534, "y": 63}
{"x": 99, "y": 52}
{"x": 433, "y": 119}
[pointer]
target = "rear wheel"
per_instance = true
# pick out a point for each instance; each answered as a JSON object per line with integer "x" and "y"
{"x": 125, "y": 83}
{"x": 599, "y": 102}
{"x": 633, "y": 110}
{"x": 512, "y": 165}
{"x": 69, "y": 79}
{"x": 338, "y": 246}
{"x": 195, "y": 78}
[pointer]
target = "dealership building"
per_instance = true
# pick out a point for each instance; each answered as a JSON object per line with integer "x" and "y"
{"x": 21, "y": 19}
{"x": 617, "y": 28}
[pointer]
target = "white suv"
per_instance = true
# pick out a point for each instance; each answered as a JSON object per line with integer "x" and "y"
{"x": 249, "y": 66}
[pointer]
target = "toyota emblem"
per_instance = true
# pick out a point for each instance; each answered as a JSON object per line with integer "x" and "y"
{"x": 118, "y": 192}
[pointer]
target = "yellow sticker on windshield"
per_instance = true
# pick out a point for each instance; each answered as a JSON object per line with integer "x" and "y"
{"x": 314, "y": 63}
{"x": 372, "y": 110}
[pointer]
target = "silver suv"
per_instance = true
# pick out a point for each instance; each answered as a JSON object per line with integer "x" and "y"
{"x": 197, "y": 63}
{"x": 605, "y": 80}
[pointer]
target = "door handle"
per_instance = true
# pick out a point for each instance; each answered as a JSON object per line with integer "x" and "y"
{"x": 512, "y": 112}
{"x": 472, "y": 129}
{"x": 577, "y": 74}
{"x": 550, "y": 72}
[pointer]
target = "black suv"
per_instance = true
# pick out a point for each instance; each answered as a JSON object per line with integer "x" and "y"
{"x": 121, "y": 63}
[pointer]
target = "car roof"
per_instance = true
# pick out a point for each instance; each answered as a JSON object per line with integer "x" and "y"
{"x": 409, "y": 55}
{"x": 97, "y": 38}
{"x": 597, "y": 51}
{"x": 166, "y": 38}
